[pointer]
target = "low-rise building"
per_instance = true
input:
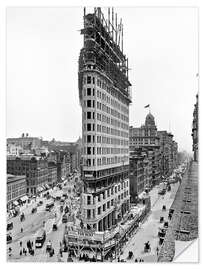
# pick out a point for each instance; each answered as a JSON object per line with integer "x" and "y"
{"x": 35, "y": 169}
{"x": 16, "y": 189}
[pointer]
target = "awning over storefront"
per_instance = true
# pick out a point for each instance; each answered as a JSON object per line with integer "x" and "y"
{"x": 24, "y": 198}
{"x": 15, "y": 203}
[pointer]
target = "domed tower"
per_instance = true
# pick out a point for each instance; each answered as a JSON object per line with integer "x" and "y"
{"x": 150, "y": 126}
{"x": 149, "y": 121}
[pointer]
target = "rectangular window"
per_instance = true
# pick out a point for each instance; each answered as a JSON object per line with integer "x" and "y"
{"x": 88, "y": 150}
{"x": 104, "y": 207}
{"x": 108, "y": 204}
{"x": 88, "y": 138}
{"x": 88, "y": 213}
{"x": 88, "y": 79}
{"x": 111, "y": 202}
{"x": 99, "y": 210}
{"x": 88, "y": 115}
{"x": 88, "y": 200}
{"x": 88, "y": 127}
{"x": 89, "y": 103}
{"x": 88, "y": 91}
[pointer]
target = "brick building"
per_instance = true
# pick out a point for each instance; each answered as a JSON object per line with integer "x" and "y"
{"x": 16, "y": 189}
{"x": 35, "y": 169}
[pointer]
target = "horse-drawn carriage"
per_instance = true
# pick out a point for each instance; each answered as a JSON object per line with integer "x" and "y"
{"x": 22, "y": 217}
{"x": 166, "y": 224}
{"x": 161, "y": 219}
{"x": 130, "y": 255}
{"x": 147, "y": 247}
{"x": 10, "y": 226}
{"x": 34, "y": 209}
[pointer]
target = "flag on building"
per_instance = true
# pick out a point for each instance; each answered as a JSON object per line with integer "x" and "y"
{"x": 147, "y": 106}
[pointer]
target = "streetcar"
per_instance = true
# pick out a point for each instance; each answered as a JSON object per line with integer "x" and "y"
{"x": 40, "y": 239}
{"x": 49, "y": 206}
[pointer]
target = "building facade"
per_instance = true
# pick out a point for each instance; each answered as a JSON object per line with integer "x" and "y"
{"x": 104, "y": 92}
{"x": 146, "y": 136}
{"x": 52, "y": 173}
{"x": 16, "y": 189}
{"x": 137, "y": 176}
{"x": 169, "y": 151}
{"x": 195, "y": 130}
{"x": 62, "y": 160}
{"x": 35, "y": 169}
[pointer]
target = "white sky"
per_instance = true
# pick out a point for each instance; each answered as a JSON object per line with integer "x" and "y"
{"x": 43, "y": 46}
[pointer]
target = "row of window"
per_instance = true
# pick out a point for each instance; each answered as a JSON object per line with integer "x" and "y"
{"x": 104, "y": 151}
{"x": 105, "y": 206}
{"x": 102, "y": 161}
{"x": 15, "y": 186}
{"x": 111, "y": 191}
{"x": 105, "y": 119}
{"x": 105, "y": 129}
{"x": 104, "y": 140}
{"x": 16, "y": 194}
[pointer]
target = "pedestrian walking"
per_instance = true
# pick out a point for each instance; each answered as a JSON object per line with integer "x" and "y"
{"x": 157, "y": 251}
{"x": 9, "y": 251}
{"x": 21, "y": 252}
{"x": 20, "y": 243}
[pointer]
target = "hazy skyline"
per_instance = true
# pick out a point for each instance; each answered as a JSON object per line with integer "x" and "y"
{"x": 43, "y": 46}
